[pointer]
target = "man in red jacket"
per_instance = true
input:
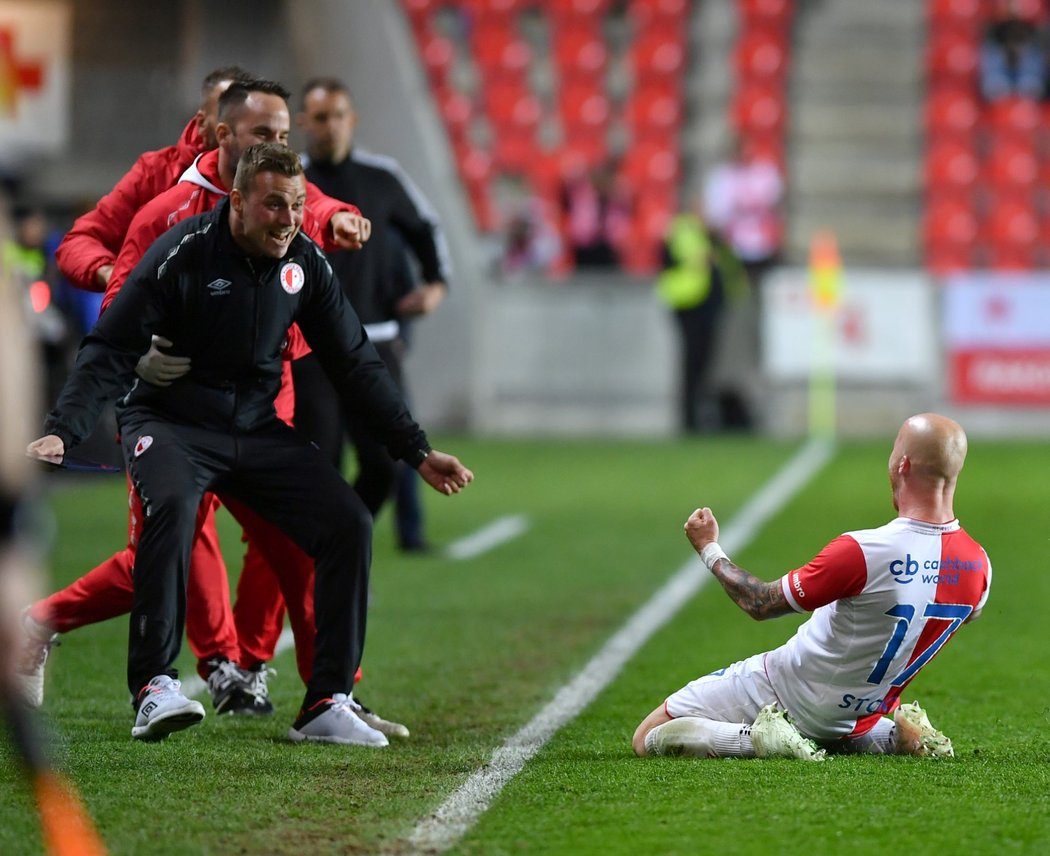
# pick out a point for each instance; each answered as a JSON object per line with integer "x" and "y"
{"x": 89, "y": 249}
{"x": 249, "y": 112}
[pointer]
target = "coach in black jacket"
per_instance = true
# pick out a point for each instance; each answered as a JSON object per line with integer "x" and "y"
{"x": 226, "y": 286}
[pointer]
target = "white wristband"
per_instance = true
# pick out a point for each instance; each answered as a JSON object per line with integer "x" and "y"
{"x": 711, "y": 554}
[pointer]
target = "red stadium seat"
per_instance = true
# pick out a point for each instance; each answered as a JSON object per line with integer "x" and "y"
{"x": 514, "y": 153}
{"x": 657, "y": 54}
{"x": 1010, "y": 235}
{"x": 511, "y": 107}
{"x": 653, "y": 110}
{"x": 765, "y": 13}
{"x": 499, "y": 51}
{"x": 951, "y": 110}
{"x": 757, "y": 108}
{"x": 950, "y": 221}
{"x": 657, "y": 14}
{"x": 761, "y": 55}
{"x": 952, "y": 57}
{"x": 580, "y": 51}
{"x": 1011, "y": 164}
{"x": 1018, "y": 117}
{"x": 583, "y": 106}
{"x": 651, "y": 165}
{"x": 958, "y": 14}
{"x": 951, "y": 165}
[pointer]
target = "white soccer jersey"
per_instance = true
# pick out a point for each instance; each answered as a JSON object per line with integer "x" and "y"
{"x": 884, "y": 602}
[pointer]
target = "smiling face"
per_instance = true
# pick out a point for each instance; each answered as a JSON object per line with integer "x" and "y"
{"x": 265, "y": 219}
{"x": 262, "y": 118}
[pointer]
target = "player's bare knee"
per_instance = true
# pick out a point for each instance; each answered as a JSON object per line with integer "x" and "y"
{"x": 638, "y": 741}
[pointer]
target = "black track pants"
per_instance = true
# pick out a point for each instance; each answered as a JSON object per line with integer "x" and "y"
{"x": 284, "y": 480}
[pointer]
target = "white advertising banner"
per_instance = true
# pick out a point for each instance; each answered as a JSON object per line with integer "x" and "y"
{"x": 997, "y": 332}
{"x": 35, "y": 50}
{"x": 883, "y": 328}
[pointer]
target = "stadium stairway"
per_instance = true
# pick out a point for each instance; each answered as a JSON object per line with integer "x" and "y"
{"x": 854, "y": 139}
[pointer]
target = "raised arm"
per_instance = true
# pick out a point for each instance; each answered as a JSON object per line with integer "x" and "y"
{"x": 758, "y": 598}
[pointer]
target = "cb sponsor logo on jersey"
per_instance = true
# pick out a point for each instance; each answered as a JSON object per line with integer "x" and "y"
{"x": 904, "y": 570}
{"x": 292, "y": 278}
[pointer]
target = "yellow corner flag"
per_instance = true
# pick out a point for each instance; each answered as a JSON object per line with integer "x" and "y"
{"x": 825, "y": 288}
{"x": 825, "y": 271}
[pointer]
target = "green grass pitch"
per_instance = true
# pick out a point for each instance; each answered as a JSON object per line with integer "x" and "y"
{"x": 466, "y": 652}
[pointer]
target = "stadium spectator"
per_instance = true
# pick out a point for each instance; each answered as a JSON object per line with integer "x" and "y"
{"x": 597, "y": 216}
{"x": 741, "y": 203}
{"x": 1013, "y": 62}
{"x": 531, "y": 241}
{"x": 884, "y": 601}
{"x": 400, "y": 216}
{"x": 177, "y": 439}
{"x": 699, "y": 273}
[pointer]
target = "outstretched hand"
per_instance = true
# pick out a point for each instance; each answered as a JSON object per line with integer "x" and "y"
{"x": 48, "y": 448}
{"x": 445, "y": 473}
{"x": 701, "y": 528}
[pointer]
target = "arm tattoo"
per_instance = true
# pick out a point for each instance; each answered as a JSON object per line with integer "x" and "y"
{"x": 759, "y": 599}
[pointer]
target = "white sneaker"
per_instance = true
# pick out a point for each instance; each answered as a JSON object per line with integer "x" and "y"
{"x": 387, "y": 726}
{"x": 333, "y": 720}
{"x": 31, "y": 660}
{"x": 164, "y": 709}
{"x": 916, "y": 736}
{"x": 773, "y": 736}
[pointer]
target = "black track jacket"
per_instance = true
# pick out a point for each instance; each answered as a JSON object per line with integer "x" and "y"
{"x": 230, "y": 314}
{"x": 379, "y": 187}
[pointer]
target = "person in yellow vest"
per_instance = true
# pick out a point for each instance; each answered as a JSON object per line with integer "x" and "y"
{"x": 699, "y": 272}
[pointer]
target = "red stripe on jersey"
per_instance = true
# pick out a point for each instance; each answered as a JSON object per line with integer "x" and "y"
{"x": 839, "y": 570}
{"x": 962, "y": 579}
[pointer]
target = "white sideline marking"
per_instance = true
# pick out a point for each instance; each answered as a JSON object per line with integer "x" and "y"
{"x": 453, "y": 818}
{"x": 488, "y": 537}
{"x": 196, "y": 685}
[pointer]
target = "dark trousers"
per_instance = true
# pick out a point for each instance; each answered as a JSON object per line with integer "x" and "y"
{"x": 322, "y": 419}
{"x": 284, "y": 480}
{"x": 698, "y": 332}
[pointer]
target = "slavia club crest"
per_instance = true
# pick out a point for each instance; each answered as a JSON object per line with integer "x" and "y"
{"x": 292, "y": 278}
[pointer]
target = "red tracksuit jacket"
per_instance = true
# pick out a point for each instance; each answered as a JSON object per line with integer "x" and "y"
{"x": 96, "y": 237}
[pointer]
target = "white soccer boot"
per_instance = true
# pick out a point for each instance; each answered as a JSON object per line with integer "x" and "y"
{"x": 773, "y": 736}
{"x": 916, "y": 736}
{"x": 164, "y": 709}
